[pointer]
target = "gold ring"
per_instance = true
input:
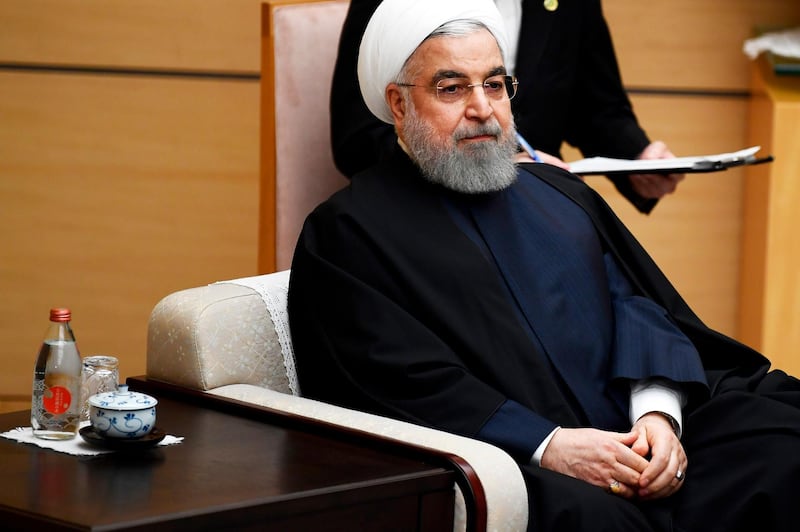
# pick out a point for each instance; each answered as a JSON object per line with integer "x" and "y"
{"x": 679, "y": 475}
{"x": 614, "y": 487}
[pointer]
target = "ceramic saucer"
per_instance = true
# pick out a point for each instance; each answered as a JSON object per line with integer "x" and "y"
{"x": 90, "y": 435}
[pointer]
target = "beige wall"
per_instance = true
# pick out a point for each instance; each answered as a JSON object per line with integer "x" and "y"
{"x": 129, "y": 156}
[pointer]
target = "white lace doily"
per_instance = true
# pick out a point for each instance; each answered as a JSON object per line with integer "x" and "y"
{"x": 274, "y": 291}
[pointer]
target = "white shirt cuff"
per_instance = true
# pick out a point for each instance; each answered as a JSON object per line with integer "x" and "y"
{"x": 536, "y": 459}
{"x": 651, "y": 395}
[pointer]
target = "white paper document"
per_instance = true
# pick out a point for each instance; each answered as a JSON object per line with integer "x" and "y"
{"x": 699, "y": 163}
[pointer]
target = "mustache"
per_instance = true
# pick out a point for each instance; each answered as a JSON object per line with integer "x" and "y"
{"x": 491, "y": 128}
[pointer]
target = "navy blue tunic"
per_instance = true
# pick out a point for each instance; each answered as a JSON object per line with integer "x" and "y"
{"x": 575, "y": 303}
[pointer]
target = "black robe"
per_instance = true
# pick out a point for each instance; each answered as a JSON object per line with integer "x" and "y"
{"x": 384, "y": 269}
{"x": 394, "y": 310}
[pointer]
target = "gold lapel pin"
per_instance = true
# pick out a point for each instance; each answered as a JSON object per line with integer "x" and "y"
{"x": 551, "y": 5}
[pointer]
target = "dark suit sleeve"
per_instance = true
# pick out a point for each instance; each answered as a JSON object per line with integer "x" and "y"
{"x": 601, "y": 117}
{"x": 358, "y": 138}
{"x": 647, "y": 342}
{"x": 604, "y": 120}
{"x": 608, "y": 126}
{"x": 571, "y": 89}
{"x": 517, "y": 430}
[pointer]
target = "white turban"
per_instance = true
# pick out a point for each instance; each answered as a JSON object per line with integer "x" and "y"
{"x": 398, "y": 27}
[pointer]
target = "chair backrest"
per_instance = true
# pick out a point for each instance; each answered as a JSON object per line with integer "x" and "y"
{"x": 299, "y": 44}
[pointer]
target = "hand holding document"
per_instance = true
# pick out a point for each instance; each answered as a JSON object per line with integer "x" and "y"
{"x": 700, "y": 163}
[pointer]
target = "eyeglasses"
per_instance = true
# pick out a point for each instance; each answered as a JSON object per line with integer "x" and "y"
{"x": 457, "y": 90}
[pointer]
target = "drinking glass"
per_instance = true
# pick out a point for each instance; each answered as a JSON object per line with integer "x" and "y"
{"x": 100, "y": 374}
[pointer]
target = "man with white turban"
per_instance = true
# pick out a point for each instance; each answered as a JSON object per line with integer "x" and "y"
{"x": 451, "y": 288}
{"x": 571, "y": 93}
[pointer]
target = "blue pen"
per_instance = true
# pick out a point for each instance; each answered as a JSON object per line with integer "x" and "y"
{"x": 527, "y": 147}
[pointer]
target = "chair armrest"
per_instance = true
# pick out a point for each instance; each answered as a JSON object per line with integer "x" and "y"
{"x": 503, "y": 487}
{"x": 209, "y": 336}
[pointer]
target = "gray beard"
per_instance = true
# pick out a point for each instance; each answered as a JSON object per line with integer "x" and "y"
{"x": 475, "y": 169}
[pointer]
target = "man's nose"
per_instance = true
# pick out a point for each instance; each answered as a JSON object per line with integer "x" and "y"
{"x": 478, "y": 105}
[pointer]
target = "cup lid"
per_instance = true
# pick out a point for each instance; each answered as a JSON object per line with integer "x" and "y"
{"x": 122, "y": 399}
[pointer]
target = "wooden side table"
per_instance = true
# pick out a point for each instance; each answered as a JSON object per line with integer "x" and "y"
{"x": 234, "y": 470}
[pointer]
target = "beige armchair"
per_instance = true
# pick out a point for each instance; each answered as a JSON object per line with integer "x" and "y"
{"x": 232, "y": 339}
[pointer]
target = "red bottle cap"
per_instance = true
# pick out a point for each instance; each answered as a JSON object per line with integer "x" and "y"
{"x": 60, "y": 314}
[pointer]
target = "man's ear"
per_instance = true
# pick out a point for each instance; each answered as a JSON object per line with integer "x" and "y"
{"x": 396, "y": 102}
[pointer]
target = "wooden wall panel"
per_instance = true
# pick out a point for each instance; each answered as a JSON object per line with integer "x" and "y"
{"x": 215, "y": 35}
{"x": 115, "y": 191}
{"x": 690, "y": 44}
{"x": 680, "y": 50}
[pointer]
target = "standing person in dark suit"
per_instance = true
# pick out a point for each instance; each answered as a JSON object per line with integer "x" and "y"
{"x": 570, "y": 91}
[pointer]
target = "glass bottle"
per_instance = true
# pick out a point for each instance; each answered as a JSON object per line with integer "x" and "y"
{"x": 56, "y": 406}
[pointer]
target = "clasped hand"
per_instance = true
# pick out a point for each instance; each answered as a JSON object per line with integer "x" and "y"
{"x": 644, "y": 461}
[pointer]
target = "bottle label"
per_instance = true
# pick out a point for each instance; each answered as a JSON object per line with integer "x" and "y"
{"x": 57, "y": 399}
